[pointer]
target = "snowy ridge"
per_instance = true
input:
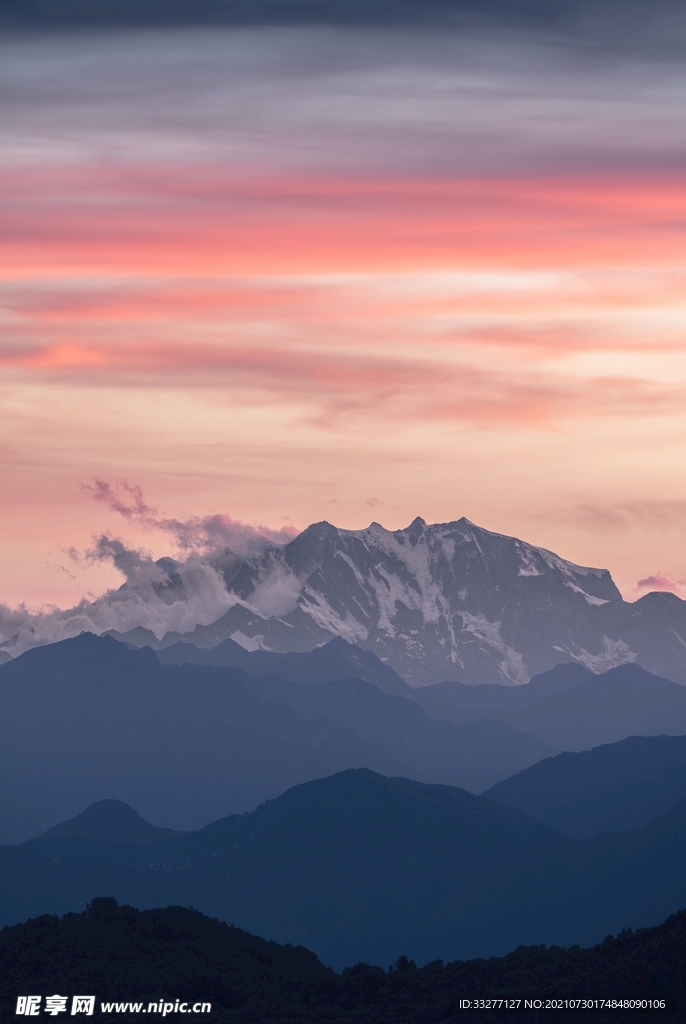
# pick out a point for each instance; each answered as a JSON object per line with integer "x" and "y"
{"x": 446, "y": 601}
{"x": 434, "y": 601}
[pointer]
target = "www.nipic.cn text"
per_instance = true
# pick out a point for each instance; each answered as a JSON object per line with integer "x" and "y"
{"x": 33, "y": 1006}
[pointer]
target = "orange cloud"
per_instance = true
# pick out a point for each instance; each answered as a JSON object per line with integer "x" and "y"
{"x": 342, "y": 385}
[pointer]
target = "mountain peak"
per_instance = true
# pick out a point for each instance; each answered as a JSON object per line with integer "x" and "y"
{"x": 109, "y": 821}
{"x": 441, "y": 601}
{"x": 445, "y": 601}
{"x": 415, "y": 530}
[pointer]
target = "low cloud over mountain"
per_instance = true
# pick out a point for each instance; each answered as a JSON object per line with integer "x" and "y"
{"x": 448, "y": 601}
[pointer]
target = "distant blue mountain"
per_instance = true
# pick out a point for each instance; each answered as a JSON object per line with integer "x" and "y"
{"x": 617, "y": 787}
{"x": 362, "y": 867}
{"x": 568, "y": 707}
{"x": 334, "y": 660}
{"x": 109, "y": 821}
{"x": 90, "y": 719}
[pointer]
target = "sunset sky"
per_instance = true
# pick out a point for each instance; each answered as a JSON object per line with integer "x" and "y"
{"x": 349, "y": 274}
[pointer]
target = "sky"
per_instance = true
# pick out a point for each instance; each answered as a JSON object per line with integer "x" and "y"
{"x": 258, "y": 277}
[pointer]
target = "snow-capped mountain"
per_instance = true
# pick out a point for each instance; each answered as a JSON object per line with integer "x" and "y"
{"x": 448, "y": 601}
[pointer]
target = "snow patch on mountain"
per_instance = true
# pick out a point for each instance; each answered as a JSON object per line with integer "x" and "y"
{"x": 250, "y": 643}
{"x": 447, "y": 601}
{"x": 613, "y": 654}
{"x": 588, "y": 597}
{"x": 326, "y": 617}
{"x": 415, "y": 588}
{"x": 512, "y": 666}
{"x": 527, "y": 561}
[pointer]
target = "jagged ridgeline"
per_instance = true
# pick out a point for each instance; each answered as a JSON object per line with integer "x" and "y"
{"x": 448, "y": 601}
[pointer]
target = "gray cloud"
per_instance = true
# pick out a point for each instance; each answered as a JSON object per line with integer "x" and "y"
{"x": 167, "y": 594}
{"x": 366, "y": 99}
{"x": 201, "y": 535}
{"x": 152, "y": 597}
{"x": 614, "y": 19}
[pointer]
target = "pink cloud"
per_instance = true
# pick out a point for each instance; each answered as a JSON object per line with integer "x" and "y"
{"x": 165, "y": 217}
{"x": 663, "y": 581}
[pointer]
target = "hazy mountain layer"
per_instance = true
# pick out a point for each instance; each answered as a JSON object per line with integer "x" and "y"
{"x": 336, "y": 659}
{"x": 90, "y": 719}
{"x": 613, "y": 788}
{"x": 358, "y": 866}
{"x": 449, "y": 601}
{"x": 569, "y": 708}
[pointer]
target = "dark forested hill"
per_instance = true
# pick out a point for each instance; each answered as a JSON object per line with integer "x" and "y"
{"x": 121, "y": 954}
{"x": 356, "y": 866}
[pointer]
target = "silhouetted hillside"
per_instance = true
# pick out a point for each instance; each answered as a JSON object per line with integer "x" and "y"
{"x": 613, "y": 788}
{"x": 121, "y": 954}
{"x": 110, "y": 821}
{"x": 361, "y": 867}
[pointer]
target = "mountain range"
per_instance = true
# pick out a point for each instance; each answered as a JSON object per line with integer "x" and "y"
{"x": 358, "y": 866}
{"x": 361, "y": 839}
{"x": 91, "y": 719}
{"x": 447, "y": 601}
